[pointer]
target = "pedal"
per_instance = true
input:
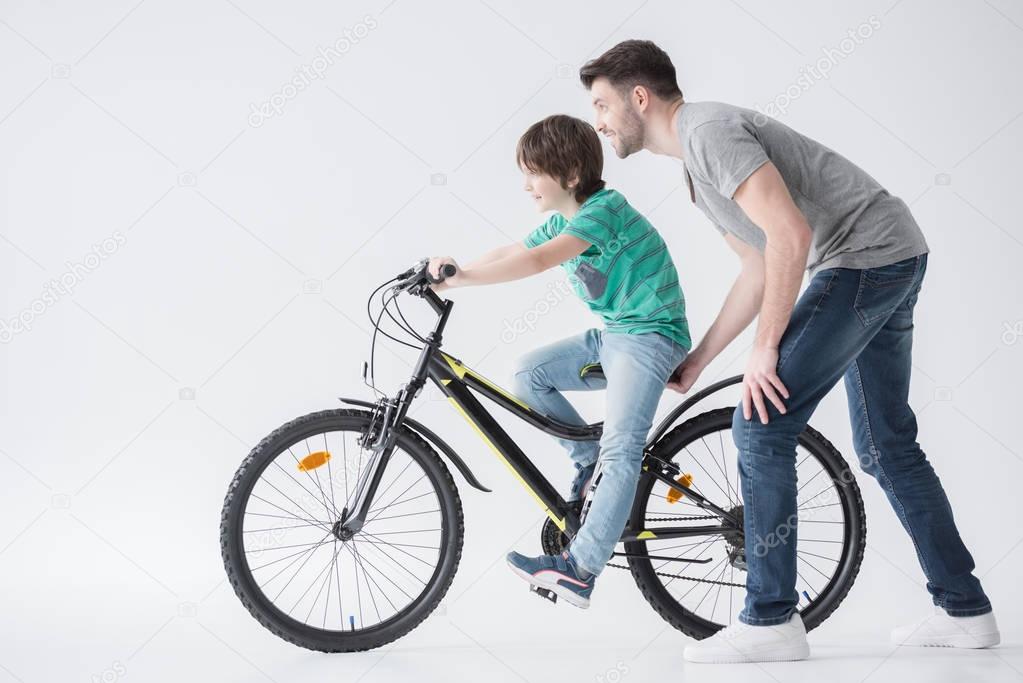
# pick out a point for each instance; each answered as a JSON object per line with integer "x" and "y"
{"x": 544, "y": 593}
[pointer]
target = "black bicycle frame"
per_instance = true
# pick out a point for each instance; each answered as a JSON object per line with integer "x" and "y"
{"x": 456, "y": 381}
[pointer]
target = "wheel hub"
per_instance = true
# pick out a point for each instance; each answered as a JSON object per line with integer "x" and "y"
{"x": 341, "y": 533}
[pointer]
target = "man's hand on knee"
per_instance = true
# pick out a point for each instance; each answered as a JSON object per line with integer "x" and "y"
{"x": 760, "y": 380}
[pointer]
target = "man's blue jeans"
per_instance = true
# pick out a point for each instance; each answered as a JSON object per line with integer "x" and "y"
{"x": 856, "y": 324}
{"x": 637, "y": 368}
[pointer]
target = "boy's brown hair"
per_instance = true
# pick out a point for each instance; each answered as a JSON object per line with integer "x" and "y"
{"x": 564, "y": 147}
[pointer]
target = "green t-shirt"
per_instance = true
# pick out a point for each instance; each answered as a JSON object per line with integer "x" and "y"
{"x": 627, "y": 276}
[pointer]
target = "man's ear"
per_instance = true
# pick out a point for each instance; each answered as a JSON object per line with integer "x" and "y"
{"x": 640, "y": 98}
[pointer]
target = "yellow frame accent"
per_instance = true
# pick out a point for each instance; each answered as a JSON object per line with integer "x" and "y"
{"x": 558, "y": 521}
{"x": 461, "y": 371}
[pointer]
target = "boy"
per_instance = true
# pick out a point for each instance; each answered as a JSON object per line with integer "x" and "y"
{"x": 619, "y": 265}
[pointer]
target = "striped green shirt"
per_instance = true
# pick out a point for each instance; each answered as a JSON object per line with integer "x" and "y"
{"x": 627, "y": 276}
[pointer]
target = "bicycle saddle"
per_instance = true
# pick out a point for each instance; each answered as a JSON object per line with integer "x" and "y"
{"x": 594, "y": 370}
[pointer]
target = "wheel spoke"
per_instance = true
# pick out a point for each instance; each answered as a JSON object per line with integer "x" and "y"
{"x": 281, "y": 559}
{"x": 709, "y": 476}
{"x": 302, "y": 519}
{"x": 310, "y": 517}
{"x": 380, "y": 494}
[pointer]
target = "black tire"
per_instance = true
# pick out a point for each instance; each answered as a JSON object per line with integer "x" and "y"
{"x": 853, "y": 534}
{"x": 268, "y": 614}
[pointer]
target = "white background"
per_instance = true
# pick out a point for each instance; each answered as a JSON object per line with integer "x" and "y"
{"x": 235, "y": 302}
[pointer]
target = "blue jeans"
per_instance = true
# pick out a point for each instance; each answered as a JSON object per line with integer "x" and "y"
{"x": 856, "y": 324}
{"x": 637, "y": 367}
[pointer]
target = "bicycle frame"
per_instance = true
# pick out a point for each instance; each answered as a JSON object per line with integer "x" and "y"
{"x": 457, "y": 381}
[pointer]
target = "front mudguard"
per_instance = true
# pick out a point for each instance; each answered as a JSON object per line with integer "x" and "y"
{"x": 433, "y": 438}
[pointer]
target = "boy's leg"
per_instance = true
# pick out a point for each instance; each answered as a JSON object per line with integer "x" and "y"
{"x": 885, "y": 431}
{"x": 637, "y": 367}
{"x": 543, "y": 373}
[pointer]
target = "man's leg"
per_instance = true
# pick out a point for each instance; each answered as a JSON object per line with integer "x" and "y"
{"x": 637, "y": 367}
{"x": 542, "y": 374}
{"x": 885, "y": 432}
{"x": 823, "y": 337}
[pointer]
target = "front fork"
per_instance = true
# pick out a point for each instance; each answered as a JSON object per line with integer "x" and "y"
{"x": 380, "y": 438}
{"x": 391, "y": 412}
{"x": 383, "y": 433}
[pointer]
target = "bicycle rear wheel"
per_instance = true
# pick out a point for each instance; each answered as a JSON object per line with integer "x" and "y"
{"x": 296, "y": 572}
{"x": 700, "y": 599}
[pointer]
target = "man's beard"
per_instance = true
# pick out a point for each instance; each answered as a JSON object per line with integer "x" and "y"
{"x": 630, "y": 135}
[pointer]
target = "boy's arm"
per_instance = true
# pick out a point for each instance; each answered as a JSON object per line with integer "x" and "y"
{"x": 497, "y": 254}
{"x": 517, "y": 264}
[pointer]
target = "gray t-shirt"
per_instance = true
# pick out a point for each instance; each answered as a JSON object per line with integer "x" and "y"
{"x": 856, "y": 223}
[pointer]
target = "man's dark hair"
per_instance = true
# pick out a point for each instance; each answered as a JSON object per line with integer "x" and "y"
{"x": 631, "y": 63}
{"x": 564, "y": 147}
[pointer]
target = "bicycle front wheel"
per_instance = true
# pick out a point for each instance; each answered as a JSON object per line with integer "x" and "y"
{"x": 305, "y": 580}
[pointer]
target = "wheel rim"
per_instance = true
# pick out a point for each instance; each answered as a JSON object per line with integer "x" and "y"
{"x": 297, "y": 561}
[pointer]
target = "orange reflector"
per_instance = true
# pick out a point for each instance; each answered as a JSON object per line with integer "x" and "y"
{"x": 675, "y": 496}
{"x": 313, "y": 460}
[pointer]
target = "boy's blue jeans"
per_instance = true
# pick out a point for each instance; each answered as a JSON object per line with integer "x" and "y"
{"x": 856, "y": 324}
{"x": 637, "y": 368}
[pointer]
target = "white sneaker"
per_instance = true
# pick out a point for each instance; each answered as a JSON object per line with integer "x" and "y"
{"x": 941, "y": 630}
{"x": 745, "y": 643}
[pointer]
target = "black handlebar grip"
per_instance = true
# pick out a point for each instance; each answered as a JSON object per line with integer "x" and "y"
{"x": 446, "y": 271}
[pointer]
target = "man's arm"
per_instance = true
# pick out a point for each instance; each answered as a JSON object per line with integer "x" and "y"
{"x": 515, "y": 265}
{"x": 737, "y": 312}
{"x": 765, "y": 199}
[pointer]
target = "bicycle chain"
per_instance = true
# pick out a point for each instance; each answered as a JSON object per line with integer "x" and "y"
{"x": 686, "y": 578}
{"x": 681, "y": 576}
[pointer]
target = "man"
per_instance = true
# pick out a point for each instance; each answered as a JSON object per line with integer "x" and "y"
{"x": 785, "y": 203}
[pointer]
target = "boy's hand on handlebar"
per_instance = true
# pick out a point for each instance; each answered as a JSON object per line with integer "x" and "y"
{"x": 434, "y": 270}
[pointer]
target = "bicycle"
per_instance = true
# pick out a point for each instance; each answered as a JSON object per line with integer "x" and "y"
{"x": 386, "y": 541}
